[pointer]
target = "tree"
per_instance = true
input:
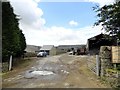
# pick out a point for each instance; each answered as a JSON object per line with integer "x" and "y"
{"x": 13, "y": 40}
{"x": 22, "y": 43}
{"x": 109, "y": 18}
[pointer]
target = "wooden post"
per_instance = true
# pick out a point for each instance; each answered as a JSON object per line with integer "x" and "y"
{"x": 97, "y": 65}
{"x": 115, "y": 66}
{"x": 10, "y": 63}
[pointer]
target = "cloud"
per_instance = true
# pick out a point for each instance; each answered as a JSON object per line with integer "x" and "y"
{"x": 61, "y": 36}
{"x": 30, "y": 13}
{"x": 73, "y": 23}
{"x": 37, "y": 1}
{"x": 101, "y": 2}
{"x": 33, "y": 26}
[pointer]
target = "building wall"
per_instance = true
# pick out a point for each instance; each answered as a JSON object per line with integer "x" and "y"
{"x": 60, "y": 51}
{"x": 32, "y": 48}
{"x": 56, "y": 51}
{"x": 52, "y": 51}
{"x": 87, "y": 46}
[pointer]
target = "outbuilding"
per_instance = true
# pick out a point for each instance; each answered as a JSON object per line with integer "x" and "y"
{"x": 50, "y": 49}
{"x": 94, "y": 43}
{"x": 32, "y": 49}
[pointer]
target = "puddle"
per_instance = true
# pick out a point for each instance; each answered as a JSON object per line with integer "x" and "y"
{"x": 47, "y": 71}
{"x": 43, "y": 73}
{"x": 39, "y": 74}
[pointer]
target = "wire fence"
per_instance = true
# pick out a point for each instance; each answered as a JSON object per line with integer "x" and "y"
{"x": 91, "y": 63}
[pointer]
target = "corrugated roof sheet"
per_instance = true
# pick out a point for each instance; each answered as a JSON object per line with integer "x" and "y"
{"x": 47, "y": 47}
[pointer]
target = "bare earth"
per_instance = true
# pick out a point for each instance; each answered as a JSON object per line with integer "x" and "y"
{"x": 66, "y": 71}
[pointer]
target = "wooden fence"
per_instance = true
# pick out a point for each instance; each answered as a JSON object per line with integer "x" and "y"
{"x": 115, "y": 54}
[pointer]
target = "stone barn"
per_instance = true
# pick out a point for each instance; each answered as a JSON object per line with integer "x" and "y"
{"x": 32, "y": 48}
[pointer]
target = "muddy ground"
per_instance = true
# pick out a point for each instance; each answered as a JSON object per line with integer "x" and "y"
{"x": 61, "y": 71}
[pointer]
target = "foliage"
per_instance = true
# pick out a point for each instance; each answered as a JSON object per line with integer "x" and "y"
{"x": 109, "y": 18}
{"x": 13, "y": 40}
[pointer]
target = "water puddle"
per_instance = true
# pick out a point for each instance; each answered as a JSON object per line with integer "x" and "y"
{"x": 43, "y": 73}
{"x": 47, "y": 71}
{"x": 39, "y": 74}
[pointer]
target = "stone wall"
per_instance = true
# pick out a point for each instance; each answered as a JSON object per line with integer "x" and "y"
{"x": 105, "y": 58}
{"x": 4, "y": 67}
{"x": 107, "y": 69}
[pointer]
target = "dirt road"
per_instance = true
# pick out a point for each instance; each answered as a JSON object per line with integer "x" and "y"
{"x": 61, "y": 71}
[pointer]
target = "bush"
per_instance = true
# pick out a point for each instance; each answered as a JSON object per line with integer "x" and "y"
{"x": 5, "y": 67}
{"x": 118, "y": 66}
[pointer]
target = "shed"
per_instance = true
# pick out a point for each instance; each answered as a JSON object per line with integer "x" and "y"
{"x": 94, "y": 43}
{"x": 50, "y": 49}
{"x": 32, "y": 48}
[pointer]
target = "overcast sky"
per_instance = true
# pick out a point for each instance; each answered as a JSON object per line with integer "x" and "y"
{"x": 57, "y": 22}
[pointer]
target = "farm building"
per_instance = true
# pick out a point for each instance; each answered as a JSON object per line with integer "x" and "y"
{"x": 70, "y": 47}
{"x": 60, "y": 51}
{"x": 77, "y": 49}
{"x": 32, "y": 48}
{"x": 94, "y": 43}
{"x": 50, "y": 49}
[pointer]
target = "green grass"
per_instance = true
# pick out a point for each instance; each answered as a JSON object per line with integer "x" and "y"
{"x": 112, "y": 70}
{"x": 21, "y": 65}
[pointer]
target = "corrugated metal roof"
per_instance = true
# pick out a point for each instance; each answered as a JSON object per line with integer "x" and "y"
{"x": 47, "y": 47}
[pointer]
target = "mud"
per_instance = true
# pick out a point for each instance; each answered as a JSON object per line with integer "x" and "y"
{"x": 61, "y": 71}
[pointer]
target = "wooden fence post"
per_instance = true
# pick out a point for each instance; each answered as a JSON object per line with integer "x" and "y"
{"x": 10, "y": 63}
{"x": 97, "y": 65}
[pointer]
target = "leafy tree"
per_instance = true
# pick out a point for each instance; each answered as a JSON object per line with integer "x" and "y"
{"x": 13, "y": 40}
{"x": 109, "y": 18}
